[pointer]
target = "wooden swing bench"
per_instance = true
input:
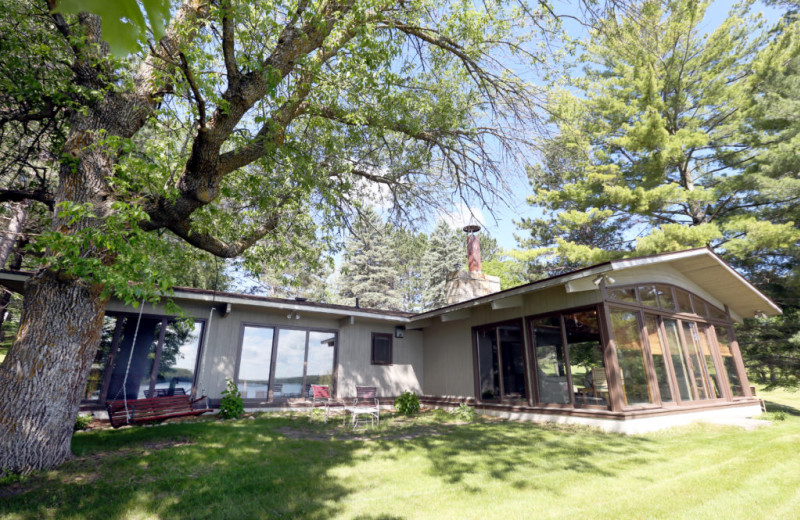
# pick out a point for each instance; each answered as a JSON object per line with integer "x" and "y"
{"x": 153, "y": 409}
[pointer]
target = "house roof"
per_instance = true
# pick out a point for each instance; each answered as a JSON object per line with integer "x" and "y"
{"x": 701, "y": 266}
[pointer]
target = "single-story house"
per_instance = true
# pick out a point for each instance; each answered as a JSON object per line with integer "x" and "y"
{"x": 628, "y": 345}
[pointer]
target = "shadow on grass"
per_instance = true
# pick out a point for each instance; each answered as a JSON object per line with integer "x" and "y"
{"x": 250, "y": 469}
{"x": 776, "y": 407}
{"x": 506, "y": 451}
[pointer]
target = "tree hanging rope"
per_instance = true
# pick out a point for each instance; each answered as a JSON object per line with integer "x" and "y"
{"x": 127, "y": 368}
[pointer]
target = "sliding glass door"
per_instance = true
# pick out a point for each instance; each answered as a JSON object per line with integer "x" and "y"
{"x": 283, "y": 363}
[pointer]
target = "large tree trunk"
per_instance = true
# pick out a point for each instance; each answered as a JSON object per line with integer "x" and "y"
{"x": 44, "y": 373}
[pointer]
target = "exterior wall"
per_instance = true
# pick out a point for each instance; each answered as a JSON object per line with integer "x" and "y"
{"x": 355, "y": 357}
{"x": 221, "y": 349}
{"x": 448, "y": 345}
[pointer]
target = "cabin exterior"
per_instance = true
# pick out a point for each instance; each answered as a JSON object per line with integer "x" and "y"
{"x": 630, "y": 346}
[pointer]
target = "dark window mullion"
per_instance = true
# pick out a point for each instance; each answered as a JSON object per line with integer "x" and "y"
{"x": 567, "y": 364}
{"x": 157, "y": 359}
{"x": 271, "y": 378}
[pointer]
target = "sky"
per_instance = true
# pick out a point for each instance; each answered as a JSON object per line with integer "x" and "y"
{"x": 499, "y": 222}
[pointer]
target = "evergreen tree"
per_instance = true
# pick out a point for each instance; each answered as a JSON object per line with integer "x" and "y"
{"x": 771, "y": 346}
{"x": 446, "y": 253}
{"x": 369, "y": 267}
{"x": 410, "y": 248}
{"x": 650, "y": 155}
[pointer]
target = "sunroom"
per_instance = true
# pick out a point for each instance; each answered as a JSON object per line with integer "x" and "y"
{"x": 612, "y": 345}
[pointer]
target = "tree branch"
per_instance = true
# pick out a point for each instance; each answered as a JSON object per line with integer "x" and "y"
{"x": 12, "y": 195}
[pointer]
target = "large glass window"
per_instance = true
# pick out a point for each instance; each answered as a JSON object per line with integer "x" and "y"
{"x": 289, "y": 363}
{"x": 726, "y": 352}
{"x": 501, "y": 362}
{"x": 151, "y": 357}
{"x": 254, "y": 364}
{"x": 319, "y": 369}
{"x": 285, "y": 361}
{"x": 659, "y": 358}
{"x": 711, "y": 364}
{"x": 680, "y": 363}
{"x": 178, "y": 358}
{"x": 695, "y": 359}
{"x": 630, "y": 357}
{"x": 569, "y": 359}
{"x": 551, "y": 367}
{"x": 584, "y": 348}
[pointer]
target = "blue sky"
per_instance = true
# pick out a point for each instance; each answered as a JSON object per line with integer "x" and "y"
{"x": 500, "y": 221}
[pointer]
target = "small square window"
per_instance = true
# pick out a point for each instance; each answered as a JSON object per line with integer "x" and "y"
{"x": 381, "y": 349}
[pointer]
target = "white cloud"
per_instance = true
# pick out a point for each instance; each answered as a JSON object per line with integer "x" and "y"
{"x": 462, "y": 215}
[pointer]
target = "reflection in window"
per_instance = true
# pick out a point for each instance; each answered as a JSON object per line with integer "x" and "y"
{"x": 488, "y": 372}
{"x": 513, "y": 361}
{"x": 289, "y": 363}
{"x": 551, "y": 370}
{"x": 648, "y": 295}
{"x": 680, "y": 363}
{"x": 695, "y": 359}
{"x": 659, "y": 358}
{"x": 630, "y": 356}
{"x": 178, "y": 358}
{"x": 98, "y": 371}
{"x": 724, "y": 342}
{"x": 319, "y": 369}
{"x": 584, "y": 347}
{"x": 141, "y": 356}
{"x": 624, "y": 295}
{"x": 501, "y": 347}
{"x": 683, "y": 301}
{"x": 255, "y": 362}
{"x": 665, "y": 297}
{"x": 716, "y": 313}
{"x": 711, "y": 365}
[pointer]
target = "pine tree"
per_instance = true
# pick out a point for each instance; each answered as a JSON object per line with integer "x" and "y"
{"x": 446, "y": 253}
{"x": 369, "y": 269}
{"x": 651, "y": 155}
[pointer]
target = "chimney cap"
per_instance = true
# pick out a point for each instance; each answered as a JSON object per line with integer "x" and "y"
{"x": 472, "y": 228}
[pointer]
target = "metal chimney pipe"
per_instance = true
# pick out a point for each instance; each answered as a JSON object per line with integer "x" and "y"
{"x": 473, "y": 248}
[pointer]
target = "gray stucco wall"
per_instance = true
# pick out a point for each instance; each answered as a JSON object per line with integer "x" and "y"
{"x": 221, "y": 350}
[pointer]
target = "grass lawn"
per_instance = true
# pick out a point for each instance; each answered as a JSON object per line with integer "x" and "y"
{"x": 285, "y": 467}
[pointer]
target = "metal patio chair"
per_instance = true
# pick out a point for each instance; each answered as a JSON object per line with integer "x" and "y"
{"x": 320, "y": 396}
{"x": 364, "y": 405}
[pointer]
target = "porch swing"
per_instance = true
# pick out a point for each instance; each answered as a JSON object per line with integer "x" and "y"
{"x": 153, "y": 409}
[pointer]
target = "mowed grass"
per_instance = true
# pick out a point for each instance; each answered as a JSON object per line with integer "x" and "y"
{"x": 286, "y": 467}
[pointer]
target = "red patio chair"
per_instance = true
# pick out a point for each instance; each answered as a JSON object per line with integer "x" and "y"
{"x": 320, "y": 395}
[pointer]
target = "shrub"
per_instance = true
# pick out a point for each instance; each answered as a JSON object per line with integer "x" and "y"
{"x": 82, "y": 422}
{"x": 464, "y": 413}
{"x": 231, "y": 406}
{"x": 407, "y": 403}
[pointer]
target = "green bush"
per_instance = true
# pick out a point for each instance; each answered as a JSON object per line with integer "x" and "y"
{"x": 82, "y": 422}
{"x": 231, "y": 406}
{"x": 407, "y": 403}
{"x": 464, "y": 413}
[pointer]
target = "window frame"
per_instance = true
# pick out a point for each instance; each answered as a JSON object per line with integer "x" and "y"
{"x": 113, "y": 351}
{"x": 386, "y": 335}
{"x": 533, "y": 363}
{"x": 273, "y": 359}
{"x": 525, "y": 361}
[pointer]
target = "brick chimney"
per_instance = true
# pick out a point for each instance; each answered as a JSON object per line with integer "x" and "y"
{"x": 465, "y": 285}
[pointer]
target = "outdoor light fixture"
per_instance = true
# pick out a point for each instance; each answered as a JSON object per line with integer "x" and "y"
{"x": 598, "y": 279}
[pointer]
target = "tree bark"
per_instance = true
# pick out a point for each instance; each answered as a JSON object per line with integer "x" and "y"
{"x": 45, "y": 371}
{"x": 19, "y": 214}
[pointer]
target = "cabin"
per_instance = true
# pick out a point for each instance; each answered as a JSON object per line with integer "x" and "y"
{"x": 629, "y": 346}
